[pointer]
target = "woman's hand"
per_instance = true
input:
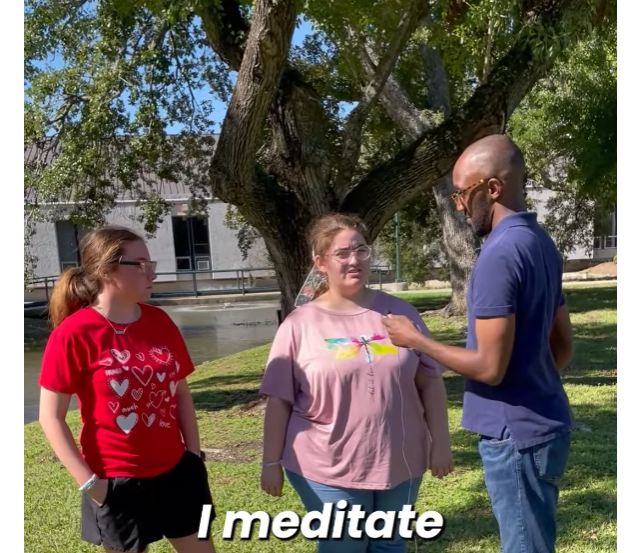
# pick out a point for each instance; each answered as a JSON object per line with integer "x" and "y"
{"x": 98, "y": 492}
{"x": 272, "y": 480}
{"x": 441, "y": 460}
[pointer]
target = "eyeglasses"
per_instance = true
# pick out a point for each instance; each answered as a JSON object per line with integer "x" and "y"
{"x": 145, "y": 266}
{"x": 362, "y": 254}
{"x": 459, "y": 194}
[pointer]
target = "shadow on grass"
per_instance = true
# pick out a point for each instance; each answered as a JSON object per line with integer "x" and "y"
{"x": 225, "y": 379}
{"x": 591, "y": 380}
{"x": 595, "y": 347}
{"x": 427, "y": 302}
{"x": 221, "y": 399}
{"x": 471, "y": 523}
{"x": 474, "y": 522}
{"x": 581, "y": 300}
{"x": 592, "y": 450}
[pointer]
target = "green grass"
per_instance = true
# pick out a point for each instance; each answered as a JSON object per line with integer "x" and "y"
{"x": 230, "y": 418}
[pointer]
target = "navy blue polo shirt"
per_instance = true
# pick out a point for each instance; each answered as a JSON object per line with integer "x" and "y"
{"x": 518, "y": 271}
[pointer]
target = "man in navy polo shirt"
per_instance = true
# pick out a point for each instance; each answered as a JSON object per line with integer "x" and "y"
{"x": 519, "y": 338}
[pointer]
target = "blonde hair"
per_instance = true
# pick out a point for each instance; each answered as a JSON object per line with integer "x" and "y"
{"x": 100, "y": 251}
{"x": 323, "y": 232}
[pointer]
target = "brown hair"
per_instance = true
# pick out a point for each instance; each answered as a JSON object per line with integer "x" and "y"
{"x": 325, "y": 230}
{"x": 100, "y": 251}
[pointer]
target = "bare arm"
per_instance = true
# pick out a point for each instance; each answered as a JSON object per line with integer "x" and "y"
{"x": 488, "y": 363}
{"x": 53, "y": 412}
{"x": 187, "y": 418}
{"x": 276, "y": 419}
{"x": 561, "y": 338}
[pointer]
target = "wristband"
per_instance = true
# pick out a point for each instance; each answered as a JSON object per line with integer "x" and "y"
{"x": 89, "y": 483}
{"x": 271, "y": 464}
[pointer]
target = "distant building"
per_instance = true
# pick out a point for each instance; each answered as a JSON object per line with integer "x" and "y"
{"x": 181, "y": 244}
{"x": 604, "y": 233}
{"x": 184, "y": 244}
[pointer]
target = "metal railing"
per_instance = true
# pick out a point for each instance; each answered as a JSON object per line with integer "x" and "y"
{"x": 245, "y": 282}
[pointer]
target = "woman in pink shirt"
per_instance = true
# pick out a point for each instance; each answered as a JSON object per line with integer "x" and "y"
{"x": 349, "y": 416}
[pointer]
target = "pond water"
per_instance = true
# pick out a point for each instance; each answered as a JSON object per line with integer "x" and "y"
{"x": 210, "y": 332}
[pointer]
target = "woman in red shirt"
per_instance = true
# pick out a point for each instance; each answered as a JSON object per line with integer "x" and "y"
{"x": 139, "y": 468}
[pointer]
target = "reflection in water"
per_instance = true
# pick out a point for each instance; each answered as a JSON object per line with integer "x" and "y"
{"x": 210, "y": 332}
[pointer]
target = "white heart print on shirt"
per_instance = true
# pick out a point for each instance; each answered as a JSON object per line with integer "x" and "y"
{"x": 143, "y": 374}
{"x": 161, "y": 355}
{"x": 119, "y": 388}
{"x": 127, "y": 422}
{"x": 121, "y": 356}
{"x": 148, "y": 419}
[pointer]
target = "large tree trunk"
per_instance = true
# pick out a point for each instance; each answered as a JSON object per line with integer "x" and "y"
{"x": 279, "y": 187}
{"x": 292, "y": 263}
{"x": 460, "y": 245}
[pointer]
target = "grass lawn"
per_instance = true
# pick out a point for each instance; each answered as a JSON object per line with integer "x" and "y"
{"x": 230, "y": 421}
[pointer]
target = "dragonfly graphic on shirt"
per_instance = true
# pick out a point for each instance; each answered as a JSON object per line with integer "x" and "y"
{"x": 348, "y": 348}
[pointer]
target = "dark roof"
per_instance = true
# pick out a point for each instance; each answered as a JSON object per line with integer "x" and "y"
{"x": 46, "y": 151}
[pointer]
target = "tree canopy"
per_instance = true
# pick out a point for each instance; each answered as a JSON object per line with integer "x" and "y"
{"x": 567, "y": 127}
{"x": 106, "y": 79}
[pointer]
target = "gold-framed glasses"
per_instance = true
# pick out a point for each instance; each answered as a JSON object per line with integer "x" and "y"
{"x": 460, "y": 194}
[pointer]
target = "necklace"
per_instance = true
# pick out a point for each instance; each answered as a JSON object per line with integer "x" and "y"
{"x": 117, "y": 331}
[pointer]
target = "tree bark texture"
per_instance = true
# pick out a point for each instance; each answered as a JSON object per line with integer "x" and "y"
{"x": 459, "y": 241}
{"x": 282, "y": 176}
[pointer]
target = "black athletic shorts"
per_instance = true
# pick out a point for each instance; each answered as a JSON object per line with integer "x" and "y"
{"x": 139, "y": 511}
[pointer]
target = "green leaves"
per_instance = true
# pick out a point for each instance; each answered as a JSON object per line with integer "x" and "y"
{"x": 567, "y": 128}
{"x": 107, "y": 82}
{"x": 119, "y": 94}
{"x": 567, "y": 125}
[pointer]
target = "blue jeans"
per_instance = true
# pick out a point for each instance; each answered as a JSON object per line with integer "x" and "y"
{"x": 314, "y": 495}
{"x": 523, "y": 488}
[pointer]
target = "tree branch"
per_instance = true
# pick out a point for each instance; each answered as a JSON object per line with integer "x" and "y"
{"x": 354, "y": 126}
{"x": 459, "y": 241}
{"x": 396, "y": 102}
{"x": 233, "y": 168}
{"x": 432, "y": 156}
{"x": 299, "y": 155}
{"x": 226, "y": 29}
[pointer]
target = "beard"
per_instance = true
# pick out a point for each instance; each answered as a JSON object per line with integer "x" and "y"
{"x": 481, "y": 219}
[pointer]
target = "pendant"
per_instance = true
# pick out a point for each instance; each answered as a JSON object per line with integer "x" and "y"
{"x": 120, "y": 332}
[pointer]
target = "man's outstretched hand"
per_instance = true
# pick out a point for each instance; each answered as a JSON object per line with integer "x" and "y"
{"x": 402, "y": 332}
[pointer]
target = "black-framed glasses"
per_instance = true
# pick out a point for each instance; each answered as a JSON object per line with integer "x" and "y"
{"x": 145, "y": 266}
{"x": 362, "y": 253}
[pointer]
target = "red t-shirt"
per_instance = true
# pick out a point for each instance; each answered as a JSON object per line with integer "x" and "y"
{"x": 126, "y": 388}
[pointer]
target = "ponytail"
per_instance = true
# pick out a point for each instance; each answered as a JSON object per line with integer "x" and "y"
{"x": 321, "y": 289}
{"x": 73, "y": 291}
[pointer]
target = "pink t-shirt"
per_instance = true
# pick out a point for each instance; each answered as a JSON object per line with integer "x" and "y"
{"x": 349, "y": 414}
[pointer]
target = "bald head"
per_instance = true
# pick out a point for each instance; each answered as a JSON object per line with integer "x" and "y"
{"x": 489, "y": 178}
{"x": 493, "y": 156}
